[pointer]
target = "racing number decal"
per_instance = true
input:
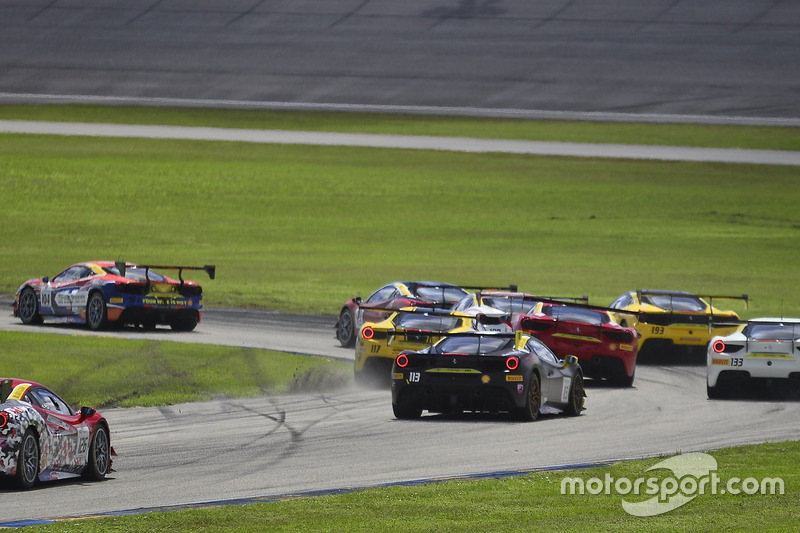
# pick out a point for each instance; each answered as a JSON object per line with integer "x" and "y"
{"x": 657, "y": 330}
{"x": 414, "y": 377}
{"x": 375, "y": 348}
{"x": 44, "y": 298}
{"x": 736, "y": 361}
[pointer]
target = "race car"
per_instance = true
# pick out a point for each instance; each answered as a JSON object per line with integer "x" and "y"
{"x": 394, "y": 296}
{"x": 43, "y": 439}
{"x": 604, "y": 349}
{"x": 409, "y": 328}
{"x": 761, "y": 349}
{"x": 665, "y": 319}
{"x": 486, "y": 372}
{"x": 101, "y": 293}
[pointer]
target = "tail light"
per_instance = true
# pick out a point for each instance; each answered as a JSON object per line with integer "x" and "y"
{"x": 718, "y": 346}
{"x": 367, "y": 332}
{"x": 512, "y": 363}
{"x": 3, "y": 420}
{"x": 402, "y": 361}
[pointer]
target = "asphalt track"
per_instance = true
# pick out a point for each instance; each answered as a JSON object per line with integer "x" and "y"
{"x": 270, "y": 447}
{"x": 627, "y": 59}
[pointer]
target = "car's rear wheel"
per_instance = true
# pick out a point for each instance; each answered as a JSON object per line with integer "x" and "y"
{"x": 533, "y": 400}
{"x": 185, "y": 322}
{"x": 577, "y": 396}
{"x": 96, "y": 312}
{"x": 346, "y": 329}
{"x": 28, "y": 309}
{"x": 28, "y": 460}
{"x": 99, "y": 455}
{"x": 405, "y": 412}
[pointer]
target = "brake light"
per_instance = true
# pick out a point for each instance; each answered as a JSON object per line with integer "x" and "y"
{"x": 512, "y": 363}
{"x": 402, "y": 361}
{"x": 3, "y": 420}
{"x": 367, "y": 332}
{"x": 718, "y": 346}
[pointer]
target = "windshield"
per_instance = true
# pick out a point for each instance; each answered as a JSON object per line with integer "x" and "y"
{"x": 508, "y": 304}
{"x": 441, "y": 294}
{"x": 676, "y": 303}
{"x": 773, "y": 332}
{"x": 474, "y": 345}
{"x": 577, "y": 314}
{"x": 137, "y": 274}
{"x": 425, "y": 322}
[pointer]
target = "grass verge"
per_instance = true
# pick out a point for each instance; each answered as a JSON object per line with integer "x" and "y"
{"x": 107, "y": 372}
{"x": 527, "y": 503}
{"x": 303, "y": 229}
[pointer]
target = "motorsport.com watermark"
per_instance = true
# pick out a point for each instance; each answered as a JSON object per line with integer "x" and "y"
{"x": 693, "y": 474}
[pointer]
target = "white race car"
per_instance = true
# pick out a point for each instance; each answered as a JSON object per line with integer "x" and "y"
{"x": 761, "y": 348}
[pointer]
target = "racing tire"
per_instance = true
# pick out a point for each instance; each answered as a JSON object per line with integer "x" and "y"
{"x": 577, "y": 396}
{"x": 99, "y": 461}
{"x": 28, "y": 310}
{"x": 716, "y": 393}
{"x": 623, "y": 379}
{"x": 346, "y": 329}
{"x": 533, "y": 400}
{"x": 28, "y": 461}
{"x": 405, "y": 412}
{"x": 96, "y": 311}
{"x": 185, "y": 322}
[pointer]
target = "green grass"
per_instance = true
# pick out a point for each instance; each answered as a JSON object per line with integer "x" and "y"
{"x": 775, "y": 138}
{"x": 303, "y": 229}
{"x": 529, "y": 503}
{"x": 108, "y": 372}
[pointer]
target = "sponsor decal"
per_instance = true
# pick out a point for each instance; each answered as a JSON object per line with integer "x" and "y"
{"x": 485, "y": 379}
{"x": 626, "y": 347}
{"x": 565, "y": 390}
{"x": 397, "y": 375}
{"x": 513, "y": 377}
{"x": 720, "y": 361}
{"x": 71, "y": 298}
{"x": 520, "y": 388}
{"x": 115, "y": 300}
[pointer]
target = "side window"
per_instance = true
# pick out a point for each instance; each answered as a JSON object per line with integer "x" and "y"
{"x": 382, "y": 294}
{"x": 48, "y": 401}
{"x": 621, "y": 302}
{"x": 542, "y": 351}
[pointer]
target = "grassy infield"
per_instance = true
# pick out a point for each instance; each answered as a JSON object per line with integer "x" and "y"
{"x": 302, "y": 229}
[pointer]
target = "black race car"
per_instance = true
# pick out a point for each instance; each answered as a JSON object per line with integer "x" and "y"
{"x": 486, "y": 372}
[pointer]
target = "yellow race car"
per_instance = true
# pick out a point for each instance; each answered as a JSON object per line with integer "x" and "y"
{"x": 665, "y": 319}
{"x": 408, "y": 328}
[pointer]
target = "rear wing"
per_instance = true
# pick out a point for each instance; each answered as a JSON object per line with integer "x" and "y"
{"x": 5, "y": 390}
{"x": 709, "y": 297}
{"x": 211, "y": 270}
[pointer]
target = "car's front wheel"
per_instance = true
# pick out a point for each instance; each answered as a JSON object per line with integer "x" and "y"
{"x": 28, "y": 310}
{"x": 99, "y": 455}
{"x": 28, "y": 461}
{"x": 96, "y": 313}
{"x": 346, "y": 329}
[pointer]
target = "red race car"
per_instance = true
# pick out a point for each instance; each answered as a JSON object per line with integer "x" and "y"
{"x": 42, "y": 438}
{"x": 604, "y": 348}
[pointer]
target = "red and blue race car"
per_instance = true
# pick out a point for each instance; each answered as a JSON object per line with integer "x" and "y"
{"x": 100, "y": 293}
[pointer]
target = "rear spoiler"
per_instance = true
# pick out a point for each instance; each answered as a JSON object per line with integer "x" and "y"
{"x": 708, "y": 297}
{"x": 211, "y": 270}
{"x": 5, "y": 390}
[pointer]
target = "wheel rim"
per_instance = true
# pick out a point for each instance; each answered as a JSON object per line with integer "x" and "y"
{"x": 94, "y": 311}
{"x": 533, "y": 398}
{"x": 345, "y": 327}
{"x": 27, "y": 305}
{"x": 101, "y": 451}
{"x": 578, "y": 394}
{"x": 30, "y": 459}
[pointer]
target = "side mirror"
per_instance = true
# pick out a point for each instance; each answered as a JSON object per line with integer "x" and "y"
{"x": 357, "y": 300}
{"x": 87, "y": 412}
{"x": 572, "y": 360}
{"x": 46, "y": 279}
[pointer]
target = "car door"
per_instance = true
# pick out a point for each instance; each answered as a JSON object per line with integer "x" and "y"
{"x": 63, "y": 295}
{"x": 555, "y": 386}
{"x": 65, "y": 447}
